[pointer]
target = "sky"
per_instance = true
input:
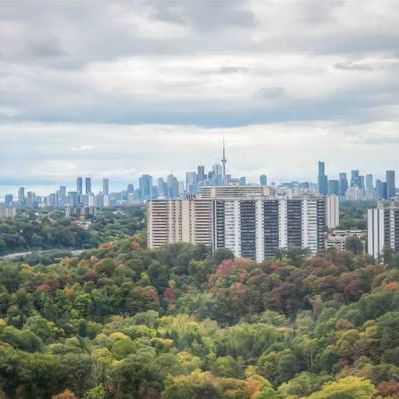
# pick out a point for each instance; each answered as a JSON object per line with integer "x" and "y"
{"x": 117, "y": 89}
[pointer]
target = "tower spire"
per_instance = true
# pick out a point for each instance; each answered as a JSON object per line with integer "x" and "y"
{"x": 224, "y": 160}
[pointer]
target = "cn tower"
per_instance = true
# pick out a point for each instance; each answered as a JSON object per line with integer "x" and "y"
{"x": 224, "y": 160}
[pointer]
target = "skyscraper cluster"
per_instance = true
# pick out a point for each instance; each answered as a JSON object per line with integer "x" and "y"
{"x": 357, "y": 187}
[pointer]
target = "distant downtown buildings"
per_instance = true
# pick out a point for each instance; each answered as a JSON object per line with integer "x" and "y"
{"x": 358, "y": 187}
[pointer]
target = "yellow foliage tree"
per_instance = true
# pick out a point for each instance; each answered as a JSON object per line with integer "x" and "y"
{"x": 346, "y": 388}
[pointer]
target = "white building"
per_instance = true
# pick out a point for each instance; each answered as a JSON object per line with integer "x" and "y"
{"x": 338, "y": 238}
{"x": 383, "y": 228}
{"x": 332, "y": 211}
{"x": 254, "y": 228}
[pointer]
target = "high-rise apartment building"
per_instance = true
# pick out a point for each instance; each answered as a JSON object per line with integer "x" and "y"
{"x": 235, "y": 191}
{"x": 332, "y": 211}
{"x": 254, "y": 227}
{"x": 391, "y": 185}
{"x": 383, "y": 228}
{"x": 179, "y": 220}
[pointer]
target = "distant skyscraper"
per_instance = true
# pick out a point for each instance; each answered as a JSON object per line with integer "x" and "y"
{"x": 263, "y": 180}
{"x": 145, "y": 187}
{"x": 173, "y": 186}
{"x": 162, "y": 188}
{"x": 384, "y": 190}
{"x": 369, "y": 183}
{"x": 243, "y": 180}
{"x": 391, "y": 185}
{"x": 9, "y": 200}
{"x": 21, "y": 197}
{"x": 130, "y": 189}
{"x": 333, "y": 187}
{"x": 322, "y": 179}
{"x": 361, "y": 182}
{"x": 79, "y": 185}
{"x": 224, "y": 160}
{"x": 191, "y": 182}
{"x": 343, "y": 184}
{"x": 355, "y": 178}
{"x": 62, "y": 192}
{"x": 88, "y": 185}
{"x": 378, "y": 189}
{"x": 200, "y": 173}
{"x": 106, "y": 186}
{"x": 217, "y": 174}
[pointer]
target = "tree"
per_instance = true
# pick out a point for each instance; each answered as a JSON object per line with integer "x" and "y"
{"x": 354, "y": 245}
{"x": 97, "y": 392}
{"x": 66, "y": 394}
{"x": 346, "y": 388}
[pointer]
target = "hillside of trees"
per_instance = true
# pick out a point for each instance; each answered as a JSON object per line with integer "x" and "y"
{"x": 48, "y": 229}
{"x": 123, "y": 321}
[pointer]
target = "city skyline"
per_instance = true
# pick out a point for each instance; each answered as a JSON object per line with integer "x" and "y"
{"x": 154, "y": 89}
{"x": 118, "y": 184}
{"x": 350, "y": 185}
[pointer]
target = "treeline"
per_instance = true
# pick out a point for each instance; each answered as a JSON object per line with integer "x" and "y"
{"x": 123, "y": 321}
{"x": 353, "y": 214}
{"x": 45, "y": 229}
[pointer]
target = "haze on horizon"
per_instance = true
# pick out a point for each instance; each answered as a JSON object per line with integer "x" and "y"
{"x": 118, "y": 89}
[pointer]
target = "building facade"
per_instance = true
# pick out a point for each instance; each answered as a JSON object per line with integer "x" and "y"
{"x": 332, "y": 211}
{"x": 383, "y": 228}
{"x": 255, "y": 228}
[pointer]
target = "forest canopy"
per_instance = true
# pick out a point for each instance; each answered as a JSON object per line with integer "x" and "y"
{"x": 123, "y": 321}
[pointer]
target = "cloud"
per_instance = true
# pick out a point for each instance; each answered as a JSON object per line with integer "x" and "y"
{"x": 271, "y": 92}
{"x": 83, "y": 147}
{"x": 92, "y": 70}
{"x": 46, "y": 46}
{"x": 233, "y": 69}
{"x": 123, "y": 152}
{"x": 351, "y": 66}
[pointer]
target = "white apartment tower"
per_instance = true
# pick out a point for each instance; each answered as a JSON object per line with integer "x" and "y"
{"x": 253, "y": 228}
{"x": 383, "y": 228}
{"x": 332, "y": 211}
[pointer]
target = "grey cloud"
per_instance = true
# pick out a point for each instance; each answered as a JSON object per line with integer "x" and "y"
{"x": 319, "y": 12}
{"x": 44, "y": 47}
{"x": 353, "y": 66}
{"x": 232, "y": 69}
{"x": 48, "y": 47}
{"x": 271, "y": 92}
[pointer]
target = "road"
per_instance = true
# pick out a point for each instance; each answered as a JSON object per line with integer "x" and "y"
{"x": 18, "y": 255}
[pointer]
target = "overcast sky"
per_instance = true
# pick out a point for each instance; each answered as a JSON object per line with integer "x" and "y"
{"x": 121, "y": 88}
